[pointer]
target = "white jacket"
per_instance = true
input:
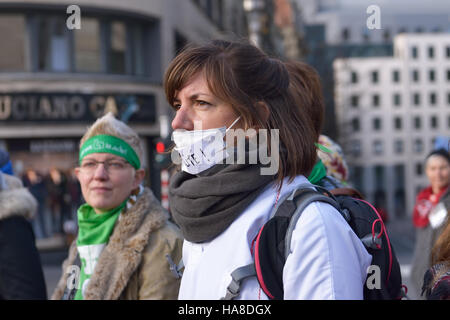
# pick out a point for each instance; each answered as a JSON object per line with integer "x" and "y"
{"x": 328, "y": 261}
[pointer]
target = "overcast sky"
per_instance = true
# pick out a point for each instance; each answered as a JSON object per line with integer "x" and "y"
{"x": 422, "y": 5}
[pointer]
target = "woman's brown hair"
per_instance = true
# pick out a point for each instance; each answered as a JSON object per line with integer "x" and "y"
{"x": 441, "y": 249}
{"x": 306, "y": 88}
{"x": 244, "y": 76}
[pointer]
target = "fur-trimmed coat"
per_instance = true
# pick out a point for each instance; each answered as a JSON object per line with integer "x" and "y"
{"x": 133, "y": 265}
{"x": 21, "y": 275}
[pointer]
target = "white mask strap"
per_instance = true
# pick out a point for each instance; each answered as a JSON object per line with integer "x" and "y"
{"x": 234, "y": 122}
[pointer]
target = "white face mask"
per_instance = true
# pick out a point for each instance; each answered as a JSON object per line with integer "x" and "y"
{"x": 201, "y": 149}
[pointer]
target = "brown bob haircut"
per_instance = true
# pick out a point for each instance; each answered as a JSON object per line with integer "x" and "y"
{"x": 249, "y": 80}
{"x": 306, "y": 88}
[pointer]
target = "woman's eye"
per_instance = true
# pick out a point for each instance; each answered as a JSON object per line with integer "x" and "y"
{"x": 203, "y": 103}
{"x": 176, "y": 107}
{"x": 117, "y": 165}
{"x": 88, "y": 164}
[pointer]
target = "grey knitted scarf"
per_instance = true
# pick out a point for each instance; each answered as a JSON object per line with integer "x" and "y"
{"x": 205, "y": 205}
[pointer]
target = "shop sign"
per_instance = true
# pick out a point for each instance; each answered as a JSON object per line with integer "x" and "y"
{"x": 60, "y": 107}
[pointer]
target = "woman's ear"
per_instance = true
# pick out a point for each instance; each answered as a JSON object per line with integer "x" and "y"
{"x": 138, "y": 177}
{"x": 77, "y": 173}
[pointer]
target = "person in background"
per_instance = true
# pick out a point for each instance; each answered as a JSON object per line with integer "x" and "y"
{"x": 125, "y": 241}
{"x": 57, "y": 199}
{"x": 427, "y": 213}
{"x": 21, "y": 275}
{"x": 37, "y": 186}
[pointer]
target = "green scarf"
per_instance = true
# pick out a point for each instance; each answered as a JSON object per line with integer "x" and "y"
{"x": 318, "y": 172}
{"x": 93, "y": 235}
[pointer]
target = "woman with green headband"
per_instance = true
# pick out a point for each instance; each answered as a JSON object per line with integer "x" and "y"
{"x": 125, "y": 241}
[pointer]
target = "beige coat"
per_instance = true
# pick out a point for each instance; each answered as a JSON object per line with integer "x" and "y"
{"x": 133, "y": 265}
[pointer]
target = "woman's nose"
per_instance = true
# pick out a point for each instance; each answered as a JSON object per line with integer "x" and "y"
{"x": 101, "y": 172}
{"x": 182, "y": 120}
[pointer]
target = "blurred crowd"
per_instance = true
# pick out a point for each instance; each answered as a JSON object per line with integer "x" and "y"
{"x": 58, "y": 195}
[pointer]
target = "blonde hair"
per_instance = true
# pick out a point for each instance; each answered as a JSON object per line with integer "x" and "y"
{"x": 109, "y": 125}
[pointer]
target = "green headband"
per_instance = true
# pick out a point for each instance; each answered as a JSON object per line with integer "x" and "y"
{"x": 110, "y": 144}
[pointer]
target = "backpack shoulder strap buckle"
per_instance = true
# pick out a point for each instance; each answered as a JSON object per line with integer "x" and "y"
{"x": 237, "y": 276}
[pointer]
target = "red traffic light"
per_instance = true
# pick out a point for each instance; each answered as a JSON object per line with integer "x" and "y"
{"x": 160, "y": 148}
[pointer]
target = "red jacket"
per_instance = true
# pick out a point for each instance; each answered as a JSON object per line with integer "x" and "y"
{"x": 425, "y": 201}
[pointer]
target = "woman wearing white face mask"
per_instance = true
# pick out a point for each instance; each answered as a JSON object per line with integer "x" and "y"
{"x": 221, "y": 203}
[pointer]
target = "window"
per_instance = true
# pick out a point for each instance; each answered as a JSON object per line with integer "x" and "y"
{"x": 87, "y": 46}
{"x": 53, "y": 42}
{"x": 379, "y": 176}
{"x": 378, "y": 147}
{"x": 448, "y": 74}
{"x": 398, "y": 123}
{"x": 374, "y": 76}
{"x": 416, "y": 99}
{"x": 431, "y": 52}
{"x": 180, "y": 42}
{"x": 418, "y": 146}
{"x": 417, "y": 122}
{"x": 447, "y": 51}
{"x": 448, "y": 122}
{"x": 376, "y": 124}
{"x": 397, "y": 98}
{"x": 415, "y": 75}
{"x": 386, "y": 35}
{"x": 448, "y": 98}
{"x": 345, "y": 34}
{"x": 117, "y": 47}
{"x": 419, "y": 169}
{"x": 354, "y": 101}
{"x": 398, "y": 146}
{"x": 355, "y": 125}
{"x": 354, "y": 77}
{"x": 357, "y": 177}
{"x": 414, "y": 52}
{"x": 355, "y": 148}
{"x": 431, "y": 75}
{"x": 14, "y": 36}
{"x": 399, "y": 187}
{"x": 396, "y": 76}
{"x": 433, "y": 98}
{"x": 433, "y": 122}
{"x": 100, "y": 46}
{"x": 139, "y": 52}
{"x": 376, "y": 100}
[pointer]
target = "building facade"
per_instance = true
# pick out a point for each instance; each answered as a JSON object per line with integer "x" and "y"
{"x": 56, "y": 80}
{"x": 339, "y": 29}
{"x": 391, "y": 112}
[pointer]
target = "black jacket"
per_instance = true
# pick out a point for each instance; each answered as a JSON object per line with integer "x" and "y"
{"x": 21, "y": 275}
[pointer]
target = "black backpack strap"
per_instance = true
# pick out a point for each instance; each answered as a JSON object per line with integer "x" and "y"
{"x": 299, "y": 200}
{"x": 237, "y": 276}
{"x": 290, "y": 206}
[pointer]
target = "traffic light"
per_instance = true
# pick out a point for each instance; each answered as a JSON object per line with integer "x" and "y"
{"x": 162, "y": 155}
